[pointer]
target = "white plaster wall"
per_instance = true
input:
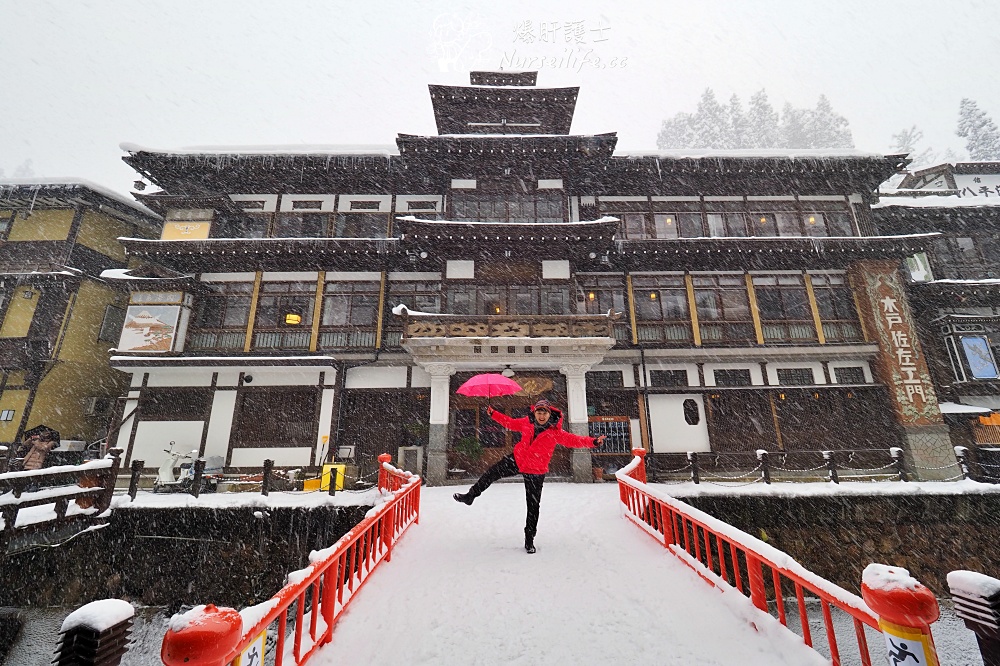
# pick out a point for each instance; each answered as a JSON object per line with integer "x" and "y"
{"x": 556, "y": 269}
{"x": 325, "y": 424}
{"x": 282, "y": 457}
{"x": 125, "y": 431}
{"x": 420, "y": 378}
{"x": 152, "y": 437}
{"x": 220, "y": 423}
{"x": 366, "y": 377}
{"x": 756, "y": 377}
{"x": 816, "y": 367}
{"x": 851, "y": 364}
{"x": 460, "y": 269}
{"x": 670, "y": 432}
{"x": 281, "y": 377}
{"x": 162, "y": 377}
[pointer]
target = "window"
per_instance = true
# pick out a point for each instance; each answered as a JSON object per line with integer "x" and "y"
{"x": 835, "y": 303}
{"x": 783, "y": 304}
{"x": 508, "y": 300}
{"x": 541, "y": 207}
{"x": 220, "y": 319}
{"x": 849, "y": 375}
{"x": 827, "y": 218}
{"x": 662, "y": 299}
{"x": 301, "y": 225}
{"x": 163, "y": 404}
{"x": 723, "y": 309}
{"x": 677, "y": 219}
{"x": 6, "y": 220}
{"x": 7, "y": 415}
{"x": 726, "y": 218}
{"x": 284, "y": 315}
{"x": 596, "y": 294}
{"x": 240, "y": 225}
{"x": 417, "y": 296}
{"x": 111, "y": 325}
{"x": 259, "y": 424}
{"x": 605, "y": 379}
{"x": 361, "y": 225}
{"x": 350, "y": 314}
{"x": 795, "y": 376}
{"x": 692, "y": 415}
{"x": 668, "y": 378}
{"x": 733, "y": 378}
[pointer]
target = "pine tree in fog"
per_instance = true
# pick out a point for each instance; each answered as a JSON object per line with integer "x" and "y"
{"x": 982, "y": 138}
{"x": 762, "y": 122}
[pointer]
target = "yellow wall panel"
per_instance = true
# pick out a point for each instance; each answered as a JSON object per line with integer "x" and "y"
{"x": 12, "y": 400}
{"x": 20, "y": 312}
{"x": 197, "y": 230}
{"x": 44, "y": 225}
{"x": 101, "y": 232}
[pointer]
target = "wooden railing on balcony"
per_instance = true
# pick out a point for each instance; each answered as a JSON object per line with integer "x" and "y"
{"x": 508, "y": 326}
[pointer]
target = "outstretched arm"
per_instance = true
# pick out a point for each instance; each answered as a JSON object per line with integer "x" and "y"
{"x": 572, "y": 441}
{"x": 501, "y": 418}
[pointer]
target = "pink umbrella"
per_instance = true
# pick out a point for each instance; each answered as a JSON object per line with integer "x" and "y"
{"x": 489, "y": 385}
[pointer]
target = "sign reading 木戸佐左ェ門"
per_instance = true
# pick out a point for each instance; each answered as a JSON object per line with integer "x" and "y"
{"x": 899, "y": 363}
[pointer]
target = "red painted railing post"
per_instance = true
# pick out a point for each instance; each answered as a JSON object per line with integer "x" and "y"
{"x": 755, "y": 576}
{"x": 207, "y": 638}
{"x": 383, "y": 474}
{"x": 640, "y": 472}
{"x": 389, "y": 531}
{"x": 906, "y": 610}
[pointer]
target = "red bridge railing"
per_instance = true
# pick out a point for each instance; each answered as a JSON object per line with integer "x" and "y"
{"x": 727, "y": 557}
{"x": 318, "y": 594}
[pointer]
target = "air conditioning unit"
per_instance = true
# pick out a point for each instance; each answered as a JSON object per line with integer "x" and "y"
{"x": 411, "y": 459}
{"x": 96, "y": 406}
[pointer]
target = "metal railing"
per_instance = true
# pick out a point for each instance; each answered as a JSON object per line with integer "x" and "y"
{"x": 728, "y": 558}
{"x": 319, "y": 594}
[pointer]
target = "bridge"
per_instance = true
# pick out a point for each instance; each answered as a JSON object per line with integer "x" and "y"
{"x": 460, "y": 589}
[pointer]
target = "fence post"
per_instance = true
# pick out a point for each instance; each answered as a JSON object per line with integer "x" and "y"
{"x": 693, "y": 459}
{"x": 207, "y": 637}
{"x": 765, "y": 468}
{"x": 831, "y": 466}
{"x": 4, "y": 455}
{"x": 962, "y": 454}
{"x": 755, "y": 574}
{"x": 900, "y": 464}
{"x": 199, "y": 471}
{"x": 383, "y": 475}
{"x": 906, "y": 610}
{"x": 265, "y": 480}
{"x": 109, "y": 481}
{"x": 133, "y": 482}
{"x": 332, "y": 487}
{"x": 640, "y": 471}
{"x": 87, "y": 638}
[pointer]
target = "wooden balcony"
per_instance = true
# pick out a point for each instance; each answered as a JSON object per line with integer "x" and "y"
{"x": 507, "y": 326}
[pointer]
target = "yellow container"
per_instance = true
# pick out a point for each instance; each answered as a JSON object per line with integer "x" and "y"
{"x": 339, "y": 469}
{"x": 311, "y": 484}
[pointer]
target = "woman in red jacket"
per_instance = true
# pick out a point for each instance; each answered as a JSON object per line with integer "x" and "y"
{"x": 540, "y": 432}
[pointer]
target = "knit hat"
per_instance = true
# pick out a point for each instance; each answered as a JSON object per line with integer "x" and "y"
{"x": 542, "y": 404}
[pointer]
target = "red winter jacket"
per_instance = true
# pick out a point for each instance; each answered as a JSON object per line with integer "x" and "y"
{"x": 533, "y": 454}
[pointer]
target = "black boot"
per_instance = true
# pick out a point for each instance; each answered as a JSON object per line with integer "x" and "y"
{"x": 529, "y": 543}
{"x": 465, "y": 498}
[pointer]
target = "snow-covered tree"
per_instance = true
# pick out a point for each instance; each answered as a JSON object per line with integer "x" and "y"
{"x": 794, "y": 130}
{"x": 710, "y": 123}
{"x": 24, "y": 170}
{"x": 982, "y": 138}
{"x": 676, "y": 132}
{"x": 762, "y": 122}
{"x": 738, "y": 124}
{"x": 826, "y": 128}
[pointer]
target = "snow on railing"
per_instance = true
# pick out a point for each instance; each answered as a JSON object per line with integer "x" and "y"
{"x": 319, "y": 593}
{"x": 725, "y": 556}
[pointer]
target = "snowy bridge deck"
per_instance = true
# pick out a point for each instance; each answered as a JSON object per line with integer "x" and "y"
{"x": 461, "y": 590}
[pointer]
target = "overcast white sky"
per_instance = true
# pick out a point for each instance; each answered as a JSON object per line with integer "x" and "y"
{"x": 78, "y": 77}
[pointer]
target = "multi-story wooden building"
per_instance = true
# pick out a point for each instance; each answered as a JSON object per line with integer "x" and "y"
{"x": 723, "y": 302}
{"x": 955, "y": 288}
{"x": 58, "y": 317}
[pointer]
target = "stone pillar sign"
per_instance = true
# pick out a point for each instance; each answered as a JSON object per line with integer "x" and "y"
{"x": 900, "y": 365}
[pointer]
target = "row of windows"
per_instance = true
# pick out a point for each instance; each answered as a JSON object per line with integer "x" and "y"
{"x": 742, "y": 377}
{"x": 662, "y": 303}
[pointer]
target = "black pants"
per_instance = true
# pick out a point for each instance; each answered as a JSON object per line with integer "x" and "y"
{"x": 532, "y": 489}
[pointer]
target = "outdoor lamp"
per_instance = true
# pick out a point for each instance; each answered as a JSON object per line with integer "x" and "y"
{"x": 293, "y": 318}
{"x": 507, "y": 372}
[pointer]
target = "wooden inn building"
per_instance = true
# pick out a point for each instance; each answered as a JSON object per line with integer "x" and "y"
{"x": 305, "y": 305}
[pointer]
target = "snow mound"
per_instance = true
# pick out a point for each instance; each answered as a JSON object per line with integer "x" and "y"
{"x": 883, "y": 577}
{"x": 98, "y": 615}
{"x": 973, "y": 584}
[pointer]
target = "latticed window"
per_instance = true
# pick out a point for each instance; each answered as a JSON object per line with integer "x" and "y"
{"x": 783, "y": 304}
{"x": 284, "y": 315}
{"x": 350, "y": 314}
{"x": 733, "y": 378}
{"x": 795, "y": 376}
{"x": 361, "y": 225}
{"x": 837, "y": 311}
{"x": 668, "y": 378}
{"x": 677, "y": 219}
{"x": 723, "y": 309}
{"x": 661, "y": 308}
{"x": 827, "y": 218}
{"x": 542, "y": 207}
{"x": 599, "y": 294}
{"x": 726, "y": 218}
{"x": 220, "y": 320}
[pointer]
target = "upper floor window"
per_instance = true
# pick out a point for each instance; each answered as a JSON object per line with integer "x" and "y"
{"x": 284, "y": 315}
{"x": 835, "y": 303}
{"x": 469, "y": 299}
{"x": 783, "y": 303}
{"x": 6, "y": 220}
{"x": 662, "y": 299}
{"x": 417, "y": 296}
{"x": 540, "y": 207}
{"x": 220, "y": 320}
{"x": 723, "y": 308}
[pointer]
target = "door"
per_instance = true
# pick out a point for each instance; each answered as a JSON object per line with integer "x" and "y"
{"x": 678, "y": 423}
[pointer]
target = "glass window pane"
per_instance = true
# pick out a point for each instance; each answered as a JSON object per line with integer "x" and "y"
{"x": 788, "y": 224}
{"x": 665, "y": 225}
{"x": 336, "y": 310}
{"x": 690, "y": 225}
{"x": 736, "y": 305}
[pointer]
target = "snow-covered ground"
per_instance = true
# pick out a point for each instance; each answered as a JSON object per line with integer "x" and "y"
{"x": 461, "y": 590}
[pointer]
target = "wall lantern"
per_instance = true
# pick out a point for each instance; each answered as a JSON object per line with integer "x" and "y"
{"x": 293, "y": 318}
{"x": 591, "y": 296}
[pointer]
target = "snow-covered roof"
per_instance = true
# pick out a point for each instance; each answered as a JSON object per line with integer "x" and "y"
{"x": 473, "y": 223}
{"x": 788, "y": 153}
{"x": 935, "y": 201}
{"x": 291, "y": 149}
{"x": 125, "y": 274}
{"x": 70, "y": 182}
{"x": 956, "y": 408}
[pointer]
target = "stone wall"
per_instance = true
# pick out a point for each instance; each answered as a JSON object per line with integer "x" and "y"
{"x": 169, "y": 557}
{"x": 836, "y": 536}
